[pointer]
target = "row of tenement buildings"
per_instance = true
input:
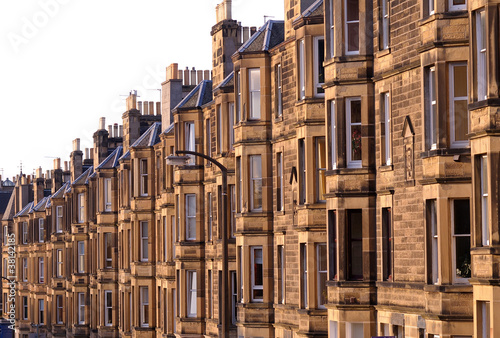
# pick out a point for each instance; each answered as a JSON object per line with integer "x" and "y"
{"x": 362, "y": 142}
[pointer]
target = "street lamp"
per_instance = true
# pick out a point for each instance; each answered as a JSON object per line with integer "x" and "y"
{"x": 181, "y": 158}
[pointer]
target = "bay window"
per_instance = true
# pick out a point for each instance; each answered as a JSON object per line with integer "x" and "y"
{"x": 25, "y": 307}
{"x": 144, "y": 177}
{"x": 144, "y": 310}
{"x": 41, "y": 230}
{"x": 355, "y": 244}
{"x": 189, "y": 141}
{"x": 41, "y": 311}
{"x": 255, "y": 183}
{"x": 333, "y": 135}
{"x": 353, "y": 132}
{"x": 387, "y": 244}
{"x": 320, "y": 169}
{"x": 237, "y": 117}
{"x": 108, "y": 250}
{"x": 385, "y": 130}
{"x": 108, "y": 308}
{"x": 144, "y": 233}
{"x": 351, "y": 26}
{"x": 302, "y": 172}
{"x": 431, "y": 114}
{"x": 81, "y": 257}
{"x": 254, "y": 93}
{"x": 191, "y": 293}
{"x": 107, "y": 194}
{"x": 59, "y": 218}
{"x": 59, "y": 263}
{"x": 230, "y": 114}
{"x": 321, "y": 275}
{"x": 433, "y": 255}
{"x": 461, "y": 258}
{"x": 190, "y": 217}
{"x": 302, "y": 68}
{"x": 319, "y": 70}
{"x": 303, "y": 275}
{"x": 257, "y": 274}
{"x": 483, "y": 181}
{"x": 481, "y": 78}
{"x": 25, "y": 269}
{"x": 280, "y": 198}
{"x": 210, "y": 216}
{"x": 459, "y": 117}
{"x": 41, "y": 270}
{"x": 81, "y": 208}
{"x": 81, "y": 308}
{"x": 457, "y": 5}
{"x": 25, "y": 232}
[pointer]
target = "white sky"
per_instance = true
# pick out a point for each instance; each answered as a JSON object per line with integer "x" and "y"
{"x": 57, "y": 79}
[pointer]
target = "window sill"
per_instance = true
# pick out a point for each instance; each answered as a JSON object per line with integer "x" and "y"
{"x": 383, "y": 52}
{"x": 484, "y": 103}
{"x": 445, "y": 152}
{"x": 456, "y": 288}
{"x": 349, "y": 171}
{"x": 386, "y": 168}
{"x": 309, "y": 100}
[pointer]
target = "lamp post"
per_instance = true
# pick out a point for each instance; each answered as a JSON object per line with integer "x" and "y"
{"x": 224, "y": 291}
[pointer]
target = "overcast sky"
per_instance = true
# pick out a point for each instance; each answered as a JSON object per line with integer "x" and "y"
{"x": 65, "y": 63}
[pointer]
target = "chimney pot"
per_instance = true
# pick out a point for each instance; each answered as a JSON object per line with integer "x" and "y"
{"x": 66, "y": 166}
{"x": 146, "y": 108}
{"x": 39, "y": 172}
{"x": 76, "y": 145}
{"x": 115, "y": 130}
{"x": 139, "y": 106}
{"x": 151, "y": 108}
{"x": 120, "y": 131}
{"x": 158, "y": 108}
{"x": 57, "y": 164}
{"x": 193, "y": 77}
{"x": 110, "y": 130}
{"x": 102, "y": 123}
{"x": 91, "y": 153}
{"x": 87, "y": 155}
{"x": 186, "y": 77}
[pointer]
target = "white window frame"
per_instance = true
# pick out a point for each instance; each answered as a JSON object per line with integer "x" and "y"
{"x": 384, "y": 35}
{"x": 254, "y": 91}
{"x": 316, "y": 51}
{"x": 319, "y": 272}
{"x": 240, "y": 251}
{"x": 25, "y": 233}
{"x": 453, "y": 7}
{"x": 5, "y": 234}
{"x": 174, "y": 226}
{"x": 281, "y": 271}
{"x": 81, "y": 208}
{"x": 434, "y": 229}
{"x": 484, "y": 319}
{"x": 454, "y": 236}
{"x": 144, "y": 299}
{"x": 333, "y": 134}
{"x": 165, "y": 239}
{"x": 108, "y": 308}
{"x": 59, "y": 218}
{"x": 351, "y": 332}
{"x": 303, "y": 275}
{"x": 485, "y": 228}
{"x": 81, "y": 257}
{"x": 346, "y": 24}
{"x": 280, "y": 181}
{"x": 302, "y": 71}
{"x": 143, "y": 172}
{"x": 107, "y": 194}
{"x": 386, "y": 127}
{"x": 59, "y": 263}
{"x": 453, "y": 99}
{"x": 320, "y": 171}
{"x": 144, "y": 235}
{"x": 81, "y": 308}
{"x": 208, "y": 143}
{"x": 481, "y": 59}
{"x": 431, "y": 109}
{"x": 352, "y": 163}
{"x": 234, "y": 297}
{"x": 41, "y": 311}
{"x": 332, "y": 28}
{"x": 191, "y": 288}
{"x": 41, "y": 270}
{"x": 190, "y": 139}
{"x": 210, "y": 216}
{"x": 41, "y": 230}
{"x": 254, "y": 178}
{"x": 431, "y": 7}
{"x": 190, "y": 219}
{"x": 230, "y": 112}
{"x": 279, "y": 90}
{"x": 25, "y": 269}
{"x": 220, "y": 130}
{"x": 238, "y": 97}
{"x": 232, "y": 198}
{"x": 59, "y": 309}
{"x": 255, "y": 287}
{"x": 108, "y": 258}
{"x": 239, "y": 179}
{"x": 25, "y": 307}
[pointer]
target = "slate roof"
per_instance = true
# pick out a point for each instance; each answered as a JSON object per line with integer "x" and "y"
{"x": 125, "y": 156}
{"x": 4, "y": 200}
{"x": 150, "y": 137}
{"x": 112, "y": 160}
{"x": 41, "y": 206}
{"x": 60, "y": 193}
{"x": 227, "y": 82}
{"x": 9, "y": 211}
{"x": 84, "y": 178}
{"x": 267, "y": 37}
{"x": 199, "y": 96}
{"x": 316, "y": 9}
{"x": 25, "y": 211}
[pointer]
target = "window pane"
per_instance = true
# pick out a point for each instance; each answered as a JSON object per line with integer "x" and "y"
{"x": 356, "y": 143}
{"x": 352, "y": 10}
{"x": 462, "y": 257}
{"x": 353, "y": 37}
{"x": 461, "y": 120}
{"x": 460, "y": 80}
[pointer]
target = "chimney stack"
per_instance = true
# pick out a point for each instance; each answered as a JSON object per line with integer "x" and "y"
{"x": 57, "y": 163}
{"x": 102, "y": 123}
{"x": 66, "y": 166}
{"x": 132, "y": 100}
{"x": 39, "y": 173}
{"x": 76, "y": 158}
